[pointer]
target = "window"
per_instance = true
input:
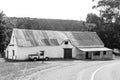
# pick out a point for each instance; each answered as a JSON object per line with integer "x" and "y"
{"x": 97, "y": 53}
{"x": 11, "y": 45}
{"x": 7, "y": 53}
{"x": 66, "y": 42}
{"x": 13, "y": 52}
{"x": 104, "y": 52}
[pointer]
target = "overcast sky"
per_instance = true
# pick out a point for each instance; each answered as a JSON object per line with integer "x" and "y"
{"x": 55, "y": 9}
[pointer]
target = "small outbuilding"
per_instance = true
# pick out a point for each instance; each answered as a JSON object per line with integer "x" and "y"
{"x": 56, "y": 44}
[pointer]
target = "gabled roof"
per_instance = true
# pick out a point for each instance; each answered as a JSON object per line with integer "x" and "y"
{"x": 27, "y": 38}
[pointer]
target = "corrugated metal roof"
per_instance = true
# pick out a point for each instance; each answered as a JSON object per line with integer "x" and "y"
{"x": 95, "y": 49}
{"x": 29, "y": 38}
{"x": 84, "y": 39}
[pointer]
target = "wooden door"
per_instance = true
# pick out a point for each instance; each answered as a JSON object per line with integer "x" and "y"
{"x": 68, "y": 53}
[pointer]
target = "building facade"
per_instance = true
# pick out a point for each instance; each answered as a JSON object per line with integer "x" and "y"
{"x": 56, "y": 44}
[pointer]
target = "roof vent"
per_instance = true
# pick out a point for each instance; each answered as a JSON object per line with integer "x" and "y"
{"x": 66, "y": 42}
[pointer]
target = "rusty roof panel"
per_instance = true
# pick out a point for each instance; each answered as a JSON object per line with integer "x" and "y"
{"x": 52, "y": 38}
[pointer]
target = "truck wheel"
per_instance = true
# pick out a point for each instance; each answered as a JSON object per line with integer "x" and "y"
{"x": 47, "y": 58}
{"x": 35, "y": 59}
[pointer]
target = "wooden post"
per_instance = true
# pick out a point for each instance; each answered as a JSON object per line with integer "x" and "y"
{"x": 42, "y": 54}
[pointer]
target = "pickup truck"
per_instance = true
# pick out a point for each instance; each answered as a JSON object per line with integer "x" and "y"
{"x": 36, "y": 57}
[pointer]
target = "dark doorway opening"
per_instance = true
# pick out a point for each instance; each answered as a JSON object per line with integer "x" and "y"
{"x": 104, "y": 52}
{"x": 68, "y": 53}
{"x": 88, "y": 55}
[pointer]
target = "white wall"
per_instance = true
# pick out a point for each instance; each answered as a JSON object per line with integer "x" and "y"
{"x": 78, "y": 54}
{"x": 12, "y": 46}
{"x": 50, "y": 51}
{"x": 22, "y": 53}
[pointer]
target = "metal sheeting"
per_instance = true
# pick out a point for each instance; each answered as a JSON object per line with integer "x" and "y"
{"x": 20, "y": 38}
{"x": 95, "y": 49}
{"x": 86, "y": 39}
{"x": 29, "y": 38}
{"x": 60, "y": 36}
{"x": 35, "y": 38}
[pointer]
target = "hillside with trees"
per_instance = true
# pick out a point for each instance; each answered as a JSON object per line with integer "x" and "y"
{"x": 45, "y": 24}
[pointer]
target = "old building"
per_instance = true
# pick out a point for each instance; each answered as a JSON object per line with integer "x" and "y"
{"x": 56, "y": 44}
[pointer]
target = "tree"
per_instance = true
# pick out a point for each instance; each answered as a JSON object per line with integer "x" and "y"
{"x": 93, "y": 18}
{"x": 109, "y": 10}
{"x": 110, "y": 15}
{"x": 2, "y": 32}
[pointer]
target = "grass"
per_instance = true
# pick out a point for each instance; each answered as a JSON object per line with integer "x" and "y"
{"x": 14, "y": 70}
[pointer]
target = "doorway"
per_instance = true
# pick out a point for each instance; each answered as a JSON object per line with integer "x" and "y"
{"x": 88, "y": 55}
{"x": 67, "y": 53}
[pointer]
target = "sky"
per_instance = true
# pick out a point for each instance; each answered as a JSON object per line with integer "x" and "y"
{"x": 51, "y": 9}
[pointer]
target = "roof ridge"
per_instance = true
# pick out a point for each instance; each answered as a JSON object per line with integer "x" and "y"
{"x": 52, "y": 30}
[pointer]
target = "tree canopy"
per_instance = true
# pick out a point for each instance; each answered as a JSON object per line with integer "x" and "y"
{"x": 109, "y": 10}
{"x": 93, "y": 18}
{"x": 108, "y": 22}
{"x": 2, "y": 32}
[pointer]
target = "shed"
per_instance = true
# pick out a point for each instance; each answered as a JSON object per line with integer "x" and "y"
{"x": 56, "y": 44}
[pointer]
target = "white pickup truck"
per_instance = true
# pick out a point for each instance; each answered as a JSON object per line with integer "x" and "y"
{"x": 36, "y": 57}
